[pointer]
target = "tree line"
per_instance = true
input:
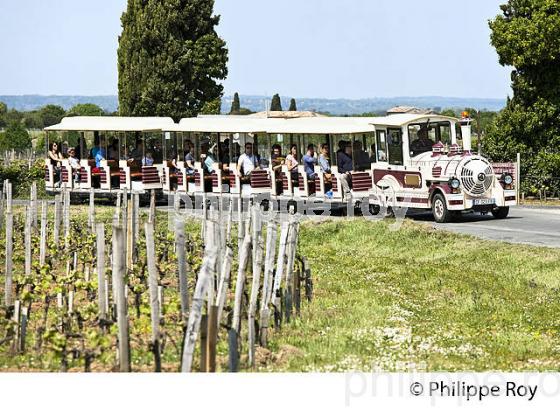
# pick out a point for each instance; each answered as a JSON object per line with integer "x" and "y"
{"x": 17, "y": 123}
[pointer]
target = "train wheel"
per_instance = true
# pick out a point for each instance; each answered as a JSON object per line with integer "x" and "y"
{"x": 439, "y": 209}
{"x": 374, "y": 209}
{"x": 500, "y": 212}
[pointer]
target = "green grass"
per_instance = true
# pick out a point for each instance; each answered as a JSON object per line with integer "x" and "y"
{"x": 422, "y": 299}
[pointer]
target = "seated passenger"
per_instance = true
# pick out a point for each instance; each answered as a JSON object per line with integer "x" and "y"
{"x": 361, "y": 157}
{"x": 344, "y": 161}
{"x": 148, "y": 160}
{"x": 422, "y": 143}
{"x": 56, "y": 161}
{"x": 113, "y": 153}
{"x": 247, "y": 162}
{"x": 74, "y": 164}
{"x": 309, "y": 162}
{"x": 98, "y": 143}
{"x": 277, "y": 158}
{"x": 324, "y": 162}
{"x": 157, "y": 152}
{"x": 189, "y": 158}
{"x": 292, "y": 163}
{"x": 210, "y": 159}
{"x": 99, "y": 156}
{"x": 138, "y": 152}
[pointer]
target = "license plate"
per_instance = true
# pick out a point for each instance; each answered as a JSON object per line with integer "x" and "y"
{"x": 490, "y": 201}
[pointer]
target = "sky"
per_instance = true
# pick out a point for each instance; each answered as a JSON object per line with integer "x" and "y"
{"x": 313, "y": 48}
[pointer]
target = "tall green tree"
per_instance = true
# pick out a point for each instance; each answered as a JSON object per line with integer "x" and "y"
{"x": 293, "y": 106}
{"x": 170, "y": 58}
{"x": 87, "y": 110}
{"x": 15, "y": 137}
{"x": 527, "y": 37}
{"x": 51, "y": 114}
{"x": 235, "y": 105}
{"x": 276, "y": 104}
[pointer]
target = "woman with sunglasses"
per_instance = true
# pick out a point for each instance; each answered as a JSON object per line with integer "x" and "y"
{"x": 56, "y": 158}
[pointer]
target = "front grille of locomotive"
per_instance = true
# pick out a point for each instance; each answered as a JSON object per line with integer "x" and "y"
{"x": 477, "y": 177}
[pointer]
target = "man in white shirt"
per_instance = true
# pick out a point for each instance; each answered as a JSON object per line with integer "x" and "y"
{"x": 247, "y": 161}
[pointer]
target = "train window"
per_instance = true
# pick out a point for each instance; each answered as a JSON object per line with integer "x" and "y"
{"x": 368, "y": 141}
{"x": 458, "y": 132}
{"x": 170, "y": 148}
{"x": 360, "y": 157}
{"x": 445, "y": 132}
{"x": 262, "y": 150}
{"x": 381, "y": 146}
{"x": 394, "y": 140}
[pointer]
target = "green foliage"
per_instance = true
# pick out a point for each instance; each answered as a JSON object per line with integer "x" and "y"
{"x": 21, "y": 177}
{"x": 293, "y": 106}
{"x": 33, "y": 120}
{"x": 12, "y": 116}
{"x": 448, "y": 113}
{"x": 235, "y": 105}
{"x": 276, "y": 104}
{"x": 15, "y": 138}
{"x": 51, "y": 114}
{"x": 170, "y": 58}
{"x": 213, "y": 107}
{"x": 88, "y": 110}
{"x": 3, "y": 111}
{"x": 527, "y": 37}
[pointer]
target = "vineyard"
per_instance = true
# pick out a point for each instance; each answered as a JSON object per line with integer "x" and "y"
{"x": 97, "y": 288}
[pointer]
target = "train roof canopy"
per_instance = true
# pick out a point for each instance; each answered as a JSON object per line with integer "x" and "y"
{"x": 112, "y": 124}
{"x": 398, "y": 120}
{"x": 222, "y": 124}
{"x": 306, "y": 125}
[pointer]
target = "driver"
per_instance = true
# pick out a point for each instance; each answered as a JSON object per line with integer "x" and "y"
{"x": 422, "y": 143}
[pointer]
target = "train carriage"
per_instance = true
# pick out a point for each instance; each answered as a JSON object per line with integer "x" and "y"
{"x": 124, "y": 145}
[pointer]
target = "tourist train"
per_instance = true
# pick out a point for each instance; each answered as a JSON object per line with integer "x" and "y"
{"x": 418, "y": 161}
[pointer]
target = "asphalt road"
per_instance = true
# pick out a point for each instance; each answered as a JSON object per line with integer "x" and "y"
{"x": 534, "y": 226}
{"x": 527, "y": 225}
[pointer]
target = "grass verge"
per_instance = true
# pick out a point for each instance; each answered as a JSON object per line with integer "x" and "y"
{"x": 420, "y": 299}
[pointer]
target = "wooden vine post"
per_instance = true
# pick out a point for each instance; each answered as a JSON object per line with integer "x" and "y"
{"x": 9, "y": 246}
{"x": 101, "y": 281}
{"x": 119, "y": 291}
{"x": 195, "y": 314}
{"x": 153, "y": 277}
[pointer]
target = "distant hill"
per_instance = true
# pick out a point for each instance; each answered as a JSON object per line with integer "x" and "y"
{"x": 337, "y": 106}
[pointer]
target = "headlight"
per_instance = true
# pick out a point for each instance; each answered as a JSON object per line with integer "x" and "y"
{"x": 454, "y": 183}
{"x": 508, "y": 179}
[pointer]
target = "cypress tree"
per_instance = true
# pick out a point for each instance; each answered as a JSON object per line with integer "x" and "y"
{"x": 293, "y": 106}
{"x": 235, "y": 105}
{"x": 169, "y": 58}
{"x": 276, "y": 104}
